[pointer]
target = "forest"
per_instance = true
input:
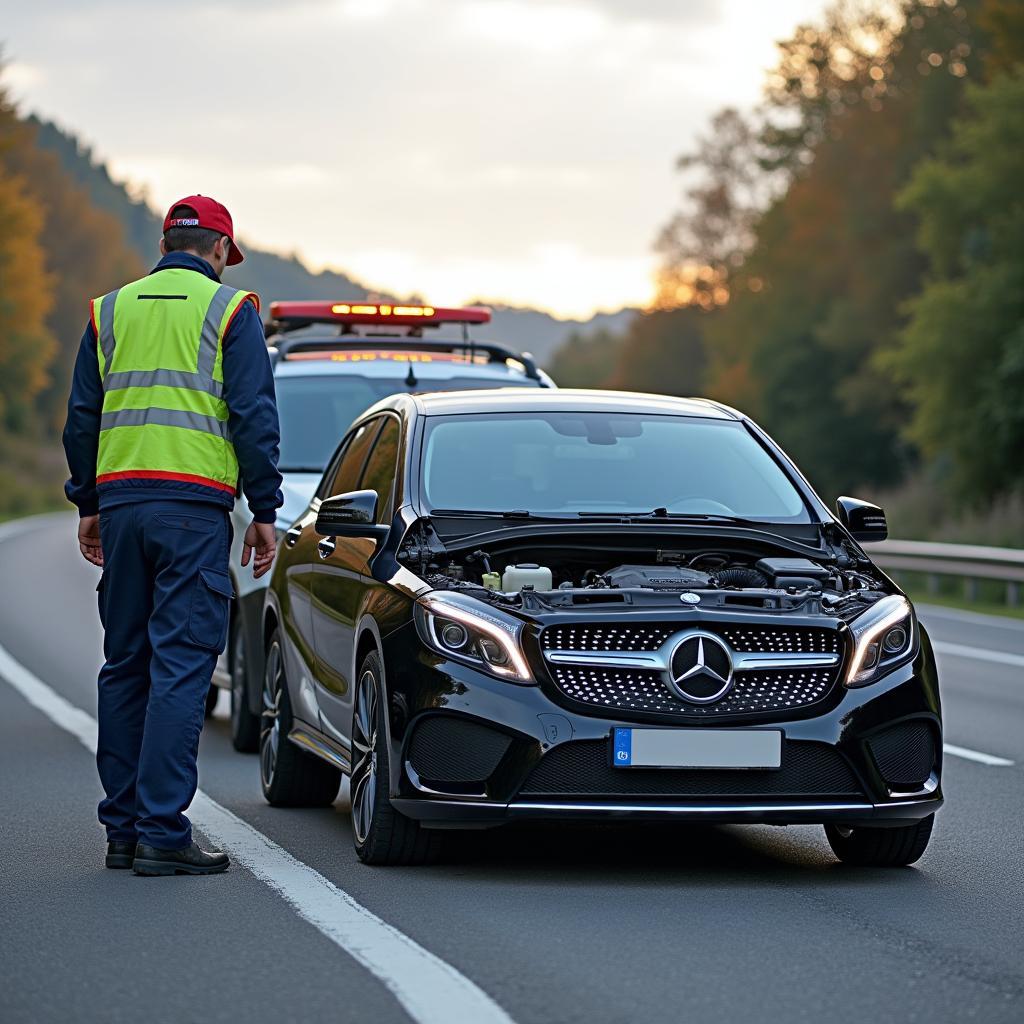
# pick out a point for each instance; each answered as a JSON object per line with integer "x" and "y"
{"x": 847, "y": 265}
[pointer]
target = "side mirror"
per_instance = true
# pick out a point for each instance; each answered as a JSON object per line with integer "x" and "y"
{"x": 350, "y": 515}
{"x": 866, "y": 522}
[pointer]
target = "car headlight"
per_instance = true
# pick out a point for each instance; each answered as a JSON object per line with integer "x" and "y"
{"x": 464, "y": 629}
{"x": 884, "y": 636}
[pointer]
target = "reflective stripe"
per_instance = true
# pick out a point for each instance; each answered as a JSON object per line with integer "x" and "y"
{"x": 164, "y": 418}
{"x": 211, "y": 330}
{"x": 162, "y": 378}
{"x": 106, "y": 338}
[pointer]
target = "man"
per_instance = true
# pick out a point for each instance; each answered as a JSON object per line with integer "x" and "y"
{"x": 172, "y": 397}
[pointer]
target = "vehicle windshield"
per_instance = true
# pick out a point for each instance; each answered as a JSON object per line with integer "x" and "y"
{"x": 315, "y": 412}
{"x": 575, "y": 463}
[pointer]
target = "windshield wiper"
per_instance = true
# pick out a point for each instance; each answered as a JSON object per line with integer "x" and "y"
{"x": 660, "y": 514}
{"x": 301, "y": 469}
{"x": 517, "y": 513}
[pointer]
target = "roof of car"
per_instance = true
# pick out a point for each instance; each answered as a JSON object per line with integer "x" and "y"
{"x": 398, "y": 368}
{"x": 453, "y": 403}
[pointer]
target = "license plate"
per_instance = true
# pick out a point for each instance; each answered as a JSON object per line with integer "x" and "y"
{"x": 696, "y": 748}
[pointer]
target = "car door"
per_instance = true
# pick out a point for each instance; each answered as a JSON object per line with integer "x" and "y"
{"x": 299, "y": 558}
{"x": 342, "y": 579}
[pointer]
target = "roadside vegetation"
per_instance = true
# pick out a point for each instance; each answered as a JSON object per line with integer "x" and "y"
{"x": 846, "y": 266}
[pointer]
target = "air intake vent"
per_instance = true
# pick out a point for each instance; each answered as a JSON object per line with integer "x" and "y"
{"x": 448, "y": 749}
{"x": 905, "y": 754}
{"x": 583, "y": 769}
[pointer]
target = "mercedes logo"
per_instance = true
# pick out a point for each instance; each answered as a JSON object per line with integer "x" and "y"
{"x": 700, "y": 668}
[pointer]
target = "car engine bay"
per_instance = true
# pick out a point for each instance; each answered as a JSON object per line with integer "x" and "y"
{"x": 538, "y": 578}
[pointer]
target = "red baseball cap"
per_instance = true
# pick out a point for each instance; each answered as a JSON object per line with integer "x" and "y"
{"x": 211, "y": 215}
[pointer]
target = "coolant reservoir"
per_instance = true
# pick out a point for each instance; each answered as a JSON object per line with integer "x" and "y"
{"x": 515, "y": 577}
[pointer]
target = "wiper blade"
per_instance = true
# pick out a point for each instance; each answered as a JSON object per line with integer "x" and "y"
{"x": 660, "y": 514}
{"x": 517, "y": 513}
{"x": 301, "y": 469}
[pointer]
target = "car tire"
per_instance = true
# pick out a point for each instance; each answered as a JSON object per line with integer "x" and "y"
{"x": 211, "y": 700}
{"x": 380, "y": 834}
{"x": 245, "y": 726}
{"x": 880, "y": 847}
{"x": 290, "y": 777}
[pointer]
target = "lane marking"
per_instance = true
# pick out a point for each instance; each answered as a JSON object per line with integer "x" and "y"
{"x": 979, "y": 653}
{"x": 430, "y": 990}
{"x": 976, "y": 755}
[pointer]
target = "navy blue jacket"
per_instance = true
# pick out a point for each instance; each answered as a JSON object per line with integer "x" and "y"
{"x": 252, "y": 419}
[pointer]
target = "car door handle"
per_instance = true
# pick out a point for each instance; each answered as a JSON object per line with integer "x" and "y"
{"x": 291, "y": 538}
{"x": 325, "y": 546}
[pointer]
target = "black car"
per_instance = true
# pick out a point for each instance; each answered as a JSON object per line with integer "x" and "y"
{"x": 508, "y": 605}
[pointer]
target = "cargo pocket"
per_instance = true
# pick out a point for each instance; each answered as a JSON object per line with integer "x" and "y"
{"x": 208, "y": 616}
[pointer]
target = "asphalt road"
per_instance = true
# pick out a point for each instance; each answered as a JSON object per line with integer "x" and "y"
{"x": 660, "y": 924}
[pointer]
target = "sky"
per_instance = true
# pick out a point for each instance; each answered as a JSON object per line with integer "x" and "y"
{"x": 518, "y": 151}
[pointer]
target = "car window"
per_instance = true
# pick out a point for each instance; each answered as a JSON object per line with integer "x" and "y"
{"x": 379, "y": 474}
{"x": 350, "y": 468}
{"x": 316, "y": 411}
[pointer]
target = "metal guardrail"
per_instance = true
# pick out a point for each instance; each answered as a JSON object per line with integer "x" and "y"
{"x": 971, "y": 562}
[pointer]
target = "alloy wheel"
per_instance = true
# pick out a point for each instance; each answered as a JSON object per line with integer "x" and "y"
{"x": 270, "y": 721}
{"x": 364, "y": 762}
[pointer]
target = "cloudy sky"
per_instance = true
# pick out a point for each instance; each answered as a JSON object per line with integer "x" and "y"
{"x": 513, "y": 150}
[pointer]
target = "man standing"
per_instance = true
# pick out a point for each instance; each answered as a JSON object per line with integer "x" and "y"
{"x": 172, "y": 398}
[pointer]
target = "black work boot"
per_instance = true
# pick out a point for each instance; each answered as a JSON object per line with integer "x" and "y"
{"x": 120, "y": 853}
{"x": 190, "y": 861}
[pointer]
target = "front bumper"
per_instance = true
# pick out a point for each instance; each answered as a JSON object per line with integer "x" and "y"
{"x": 530, "y": 727}
{"x": 439, "y": 813}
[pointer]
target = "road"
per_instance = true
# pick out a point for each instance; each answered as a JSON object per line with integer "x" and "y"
{"x": 660, "y": 924}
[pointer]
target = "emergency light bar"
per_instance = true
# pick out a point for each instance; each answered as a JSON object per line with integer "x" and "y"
{"x": 374, "y": 313}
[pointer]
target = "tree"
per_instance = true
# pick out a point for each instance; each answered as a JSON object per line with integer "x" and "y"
{"x": 85, "y": 251}
{"x": 960, "y": 359}
{"x": 823, "y": 287}
{"x": 26, "y": 346}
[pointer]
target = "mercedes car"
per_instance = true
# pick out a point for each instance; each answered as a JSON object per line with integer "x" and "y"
{"x": 331, "y": 361}
{"x": 563, "y": 605}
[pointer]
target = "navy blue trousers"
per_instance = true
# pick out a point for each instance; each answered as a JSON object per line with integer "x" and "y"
{"x": 164, "y": 603}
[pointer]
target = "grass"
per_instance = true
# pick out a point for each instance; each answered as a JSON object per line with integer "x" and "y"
{"x": 32, "y": 475}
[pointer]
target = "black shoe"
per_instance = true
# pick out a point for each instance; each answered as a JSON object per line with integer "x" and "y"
{"x": 120, "y": 853}
{"x": 190, "y": 861}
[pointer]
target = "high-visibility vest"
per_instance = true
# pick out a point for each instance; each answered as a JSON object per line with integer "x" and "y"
{"x": 160, "y": 352}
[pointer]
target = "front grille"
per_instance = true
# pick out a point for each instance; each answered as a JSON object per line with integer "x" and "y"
{"x": 904, "y": 754}
{"x": 604, "y": 636}
{"x": 644, "y": 690}
{"x": 448, "y": 749}
{"x": 583, "y": 769}
{"x": 756, "y": 691}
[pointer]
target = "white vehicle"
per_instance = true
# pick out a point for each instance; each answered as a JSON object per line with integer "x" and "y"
{"x": 332, "y": 361}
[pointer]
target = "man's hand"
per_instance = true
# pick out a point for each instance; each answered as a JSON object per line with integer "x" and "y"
{"x": 89, "y": 540}
{"x": 262, "y": 538}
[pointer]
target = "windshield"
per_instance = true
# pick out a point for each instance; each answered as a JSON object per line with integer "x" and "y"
{"x": 560, "y": 464}
{"x": 315, "y": 412}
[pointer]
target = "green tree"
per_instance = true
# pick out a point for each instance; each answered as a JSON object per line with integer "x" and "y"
{"x": 586, "y": 359}
{"x": 961, "y": 357}
{"x": 26, "y": 346}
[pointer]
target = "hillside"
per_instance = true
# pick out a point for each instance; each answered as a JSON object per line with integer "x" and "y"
{"x": 274, "y": 276}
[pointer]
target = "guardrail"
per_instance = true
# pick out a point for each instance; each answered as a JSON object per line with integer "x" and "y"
{"x": 971, "y": 562}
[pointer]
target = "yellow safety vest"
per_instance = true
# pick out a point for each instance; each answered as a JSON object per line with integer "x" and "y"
{"x": 160, "y": 356}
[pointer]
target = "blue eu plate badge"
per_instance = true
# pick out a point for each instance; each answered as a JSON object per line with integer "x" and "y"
{"x": 622, "y": 752}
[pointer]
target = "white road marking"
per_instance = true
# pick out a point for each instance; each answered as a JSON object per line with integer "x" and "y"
{"x": 979, "y": 653}
{"x": 976, "y": 755}
{"x": 430, "y": 990}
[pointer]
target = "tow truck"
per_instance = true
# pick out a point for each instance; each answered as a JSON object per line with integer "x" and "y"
{"x": 332, "y": 361}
